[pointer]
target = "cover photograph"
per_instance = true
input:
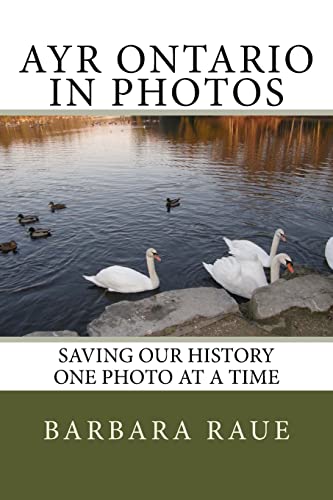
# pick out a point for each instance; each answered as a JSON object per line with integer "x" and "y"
{"x": 166, "y": 250}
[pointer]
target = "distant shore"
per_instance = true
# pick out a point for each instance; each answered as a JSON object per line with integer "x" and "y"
{"x": 44, "y": 120}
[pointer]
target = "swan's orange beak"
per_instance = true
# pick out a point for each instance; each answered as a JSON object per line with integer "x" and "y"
{"x": 283, "y": 237}
{"x": 157, "y": 257}
{"x": 290, "y": 268}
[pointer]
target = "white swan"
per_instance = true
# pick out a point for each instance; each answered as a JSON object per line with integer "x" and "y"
{"x": 241, "y": 248}
{"x": 329, "y": 252}
{"x": 125, "y": 280}
{"x": 241, "y": 276}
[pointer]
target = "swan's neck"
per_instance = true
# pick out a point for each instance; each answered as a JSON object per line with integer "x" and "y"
{"x": 152, "y": 272}
{"x": 275, "y": 269}
{"x": 274, "y": 247}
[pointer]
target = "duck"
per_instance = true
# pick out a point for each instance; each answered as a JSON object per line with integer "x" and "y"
{"x": 27, "y": 219}
{"x": 329, "y": 252}
{"x": 9, "y": 246}
{"x": 39, "y": 233}
{"x": 171, "y": 203}
{"x": 243, "y": 275}
{"x": 243, "y": 247}
{"x": 56, "y": 206}
{"x": 126, "y": 280}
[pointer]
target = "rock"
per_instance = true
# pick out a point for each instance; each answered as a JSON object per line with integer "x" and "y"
{"x": 299, "y": 270}
{"x": 164, "y": 310}
{"x": 313, "y": 292}
{"x": 65, "y": 333}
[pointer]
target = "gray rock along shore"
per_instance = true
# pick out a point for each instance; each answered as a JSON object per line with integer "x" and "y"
{"x": 301, "y": 306}
{"x": 64, "y": 333}
{"x": 313, "y": 292}
{"x": 162, "y": 311}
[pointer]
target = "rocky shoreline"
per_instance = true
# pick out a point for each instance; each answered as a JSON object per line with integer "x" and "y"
{"x": 302, "y": 306}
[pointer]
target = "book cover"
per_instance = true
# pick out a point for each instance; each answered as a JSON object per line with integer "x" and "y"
{"x": 166, "y": 250}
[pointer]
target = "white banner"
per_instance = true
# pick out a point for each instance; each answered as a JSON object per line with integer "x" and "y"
{"x": 176, "y": 366}
{"x": 140, "y": 56}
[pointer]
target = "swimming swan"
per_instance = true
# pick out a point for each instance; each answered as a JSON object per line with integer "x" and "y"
{"x": 241, "y": 248}
{"x": 241, "y": 276}
{"x": 329, "y": 252}
{"x": 125, "y": 280}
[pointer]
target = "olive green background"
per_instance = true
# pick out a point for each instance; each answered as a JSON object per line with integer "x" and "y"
{"x": 198, "y": 469}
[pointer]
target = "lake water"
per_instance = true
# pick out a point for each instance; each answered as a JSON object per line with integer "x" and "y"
{"x": 238, "y": 177}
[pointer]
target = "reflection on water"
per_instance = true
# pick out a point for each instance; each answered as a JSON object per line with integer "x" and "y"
{"x": 237, "y": 176}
